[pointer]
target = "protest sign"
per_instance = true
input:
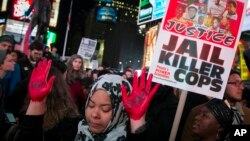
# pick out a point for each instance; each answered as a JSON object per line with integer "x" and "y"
{"x": 87, "y": 48}
{"x": 196, "y": 45}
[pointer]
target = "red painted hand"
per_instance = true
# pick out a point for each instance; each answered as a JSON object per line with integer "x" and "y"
{"x": 136, "y": 104}
{"x": 38, "y": 87}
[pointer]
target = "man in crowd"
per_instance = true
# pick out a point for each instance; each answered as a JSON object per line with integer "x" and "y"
{"x": 28, "y": 63}
{"x": 11, "y": 79}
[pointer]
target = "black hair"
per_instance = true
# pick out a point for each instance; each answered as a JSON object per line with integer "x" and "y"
{"x": 37, "y": 45}
{"x": 192, "y": 7}
{"x": 8, "y": 38}
{"x": 60, "y": 66}
{"x": 19, "y": 54}
{"x": 233, "y": 3}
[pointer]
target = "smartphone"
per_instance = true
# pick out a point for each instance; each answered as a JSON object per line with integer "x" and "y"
{"x": 10, "y": 117}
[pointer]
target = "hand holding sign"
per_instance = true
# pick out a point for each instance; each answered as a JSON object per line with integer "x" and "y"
{"x": 38, "y": 87}
{"x": 136, "y": 104}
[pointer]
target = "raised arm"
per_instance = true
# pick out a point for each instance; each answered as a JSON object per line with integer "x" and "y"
{"x": 136, "y": 103}
{"x": 39, "y": 88}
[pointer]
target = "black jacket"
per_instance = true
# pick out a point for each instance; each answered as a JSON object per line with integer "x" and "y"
{"x": 30, "y": 129}
{"x": 25, "y": 66}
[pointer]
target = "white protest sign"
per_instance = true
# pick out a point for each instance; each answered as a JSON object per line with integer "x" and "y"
{"x": 87, "y": 48}
{"x": 196, "y": 46}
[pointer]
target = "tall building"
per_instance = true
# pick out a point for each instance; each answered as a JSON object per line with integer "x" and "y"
{"x": 125, "y": 12}
{"x": 116, "y": 27}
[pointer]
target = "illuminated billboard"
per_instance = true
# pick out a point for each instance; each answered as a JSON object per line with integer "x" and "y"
{"x": 246, "y": 22}
{"x": 54, "y": 13}
{"x": 51, "y": 38}
{"x": 20, "y": 6}
{"x": 150, "y": 10}
{"x": 106, "y": 14}
{"x": 108, "y": 1}
{"x": 149, "y": 45}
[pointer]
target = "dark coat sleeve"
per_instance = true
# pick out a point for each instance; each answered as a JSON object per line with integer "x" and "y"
{"x": 30, "y": 129}
{"x": 65, "y": 131}
{"x": 136, "y": 137}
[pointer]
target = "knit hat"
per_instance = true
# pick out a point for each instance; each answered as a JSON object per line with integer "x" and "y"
{"x": 234, "y": 72}
{"x": 2, "y": 55}
{"x": 221, "y": 112}
{"x": 7, "y": 38}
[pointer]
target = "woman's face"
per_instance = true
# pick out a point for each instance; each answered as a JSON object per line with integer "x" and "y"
{"x": 77, "y": 64}
{"x": 205, "y": 125}
{"x": 99, "y": 111}
{"x": 8, "y": 64}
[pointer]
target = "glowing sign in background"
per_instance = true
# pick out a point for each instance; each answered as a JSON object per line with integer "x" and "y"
{"x": 106, "y": 14}
{"x": 246, "y": 22}
{"x": 19, "y": 7}
{"x": 109, "y": 1}
{"x": 151, "y": 10}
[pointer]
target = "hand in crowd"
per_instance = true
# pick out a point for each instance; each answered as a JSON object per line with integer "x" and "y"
{"x": 38, "y": 87}
{"x": 136, "y": 103}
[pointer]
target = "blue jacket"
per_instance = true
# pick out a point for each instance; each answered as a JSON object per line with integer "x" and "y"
{"x": 10, "y": 80}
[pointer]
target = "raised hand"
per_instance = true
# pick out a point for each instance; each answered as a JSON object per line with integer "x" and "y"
{"x": 136, "y": 104}
{"x": 38, "y": 87}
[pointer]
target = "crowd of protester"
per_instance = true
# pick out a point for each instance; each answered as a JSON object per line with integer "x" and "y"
{"x": 45, "y": 99}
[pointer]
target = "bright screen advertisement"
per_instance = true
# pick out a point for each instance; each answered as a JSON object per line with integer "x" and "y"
{"x": 20, "y": 6}
{"x": 150, "y": 10}
{"x": 196, "y": 45}
{"x": 54, "y": 13}
{"x": 246, "y": 23}
{"x": 18, "y": 27}
{"x": 149, "y": 45}
{"x": 4, "y": 5}
{"x": 108, "y": 1}
{"x": 106, "y": 14}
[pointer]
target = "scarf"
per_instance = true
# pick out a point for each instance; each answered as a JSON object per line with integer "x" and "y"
{"x": 116, "y": 129}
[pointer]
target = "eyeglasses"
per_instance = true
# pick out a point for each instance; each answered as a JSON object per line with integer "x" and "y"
{"x": 237, "y": 83}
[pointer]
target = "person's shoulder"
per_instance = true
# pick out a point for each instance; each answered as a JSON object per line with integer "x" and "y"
{"x": 23, "y": 60}
{"x": 72, "y": 120}
{"x": 246, "y": 110}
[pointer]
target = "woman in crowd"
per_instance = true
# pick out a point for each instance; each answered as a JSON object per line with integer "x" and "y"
{"x": 74, "y": 75}
{"x": 106, "y": 118}
{"x": 213, "y": 121}
{"x": 50, "y": 107}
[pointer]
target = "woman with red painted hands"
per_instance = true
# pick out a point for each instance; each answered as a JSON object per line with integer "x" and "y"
{"x": 137, "y": 103}
{"x": 50, "y": 114}
{"x": 105, "y": 117}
